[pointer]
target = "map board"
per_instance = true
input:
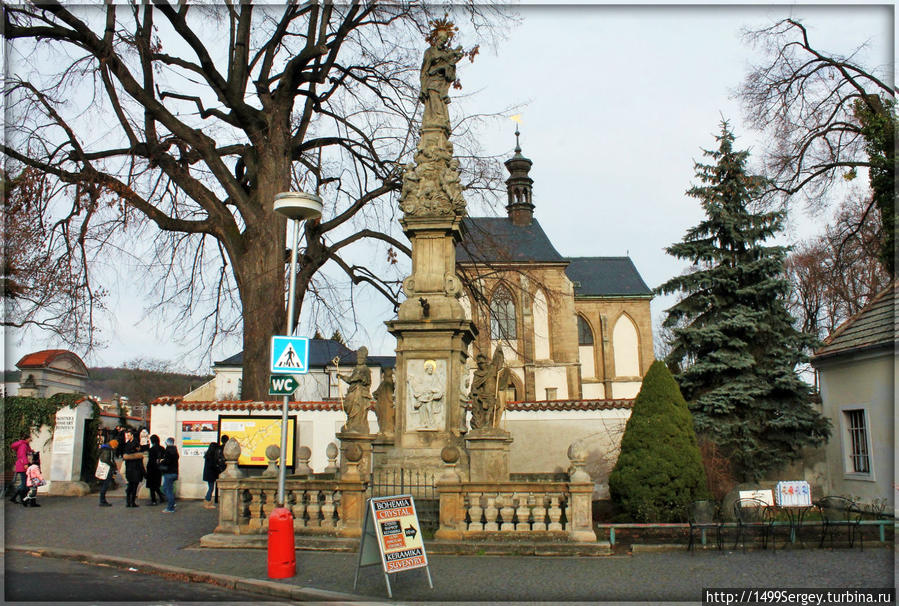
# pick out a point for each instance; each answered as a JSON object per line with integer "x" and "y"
{"x": 392, "y": 524}
{"x": 255, "y": 434}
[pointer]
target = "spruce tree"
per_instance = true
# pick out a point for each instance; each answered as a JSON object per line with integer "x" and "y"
{"x": 659, "y": 471}
{"x": 735, "y": 349}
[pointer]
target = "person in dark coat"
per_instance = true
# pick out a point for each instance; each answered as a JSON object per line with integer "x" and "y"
{"x": 154, "y": 475}
{"x": 134, "y": 467}
{"x": 169, "y": 474}
{"x": 107, "y": 455}
{"x": 211, "y": 472}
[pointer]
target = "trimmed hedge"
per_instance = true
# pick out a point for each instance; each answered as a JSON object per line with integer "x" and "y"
{"x": 659, "y": 471}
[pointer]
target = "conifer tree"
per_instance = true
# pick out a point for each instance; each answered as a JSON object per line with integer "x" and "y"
{"x": 659, "y": 471}
{"x": 735, "y": 349}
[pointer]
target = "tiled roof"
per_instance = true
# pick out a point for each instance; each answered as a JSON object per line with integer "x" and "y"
{"x": 871, "y": 328}
{"x": 560, "y": 405}
{"x": 40, "y": 359}
{"x": 551, "y": 405}
{"x": 498, "y": 240}
{"x": 606, "y": 276}
{"x": 321, "y": 352}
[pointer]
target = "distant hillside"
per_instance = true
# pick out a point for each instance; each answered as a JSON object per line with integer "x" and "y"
{"x": 138, "y": 385}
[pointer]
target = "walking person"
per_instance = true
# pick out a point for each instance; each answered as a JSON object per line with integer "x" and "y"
{"x": 23, "y": 451}
{"x": 154, "y": 475}
{"x": 33, "y": 480}
{"x": 134, "y": 467}
{"x": 169, "y": 467}
{"x": 107, "y": 455}
{"x": 211, "y": 471}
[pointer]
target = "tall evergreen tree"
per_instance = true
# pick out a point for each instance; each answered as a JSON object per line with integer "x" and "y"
{"x": 735, "y": 349}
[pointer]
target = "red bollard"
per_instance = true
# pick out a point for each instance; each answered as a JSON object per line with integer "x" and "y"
{"x": 282, "y": 559}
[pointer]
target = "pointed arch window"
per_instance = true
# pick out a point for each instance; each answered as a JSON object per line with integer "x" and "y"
{"x": 584, "y": 332}
{"x": 502, "y": 315}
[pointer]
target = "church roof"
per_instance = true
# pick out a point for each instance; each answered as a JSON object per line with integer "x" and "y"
{"x": 873, "y": 327}
{"x": 498, "y": 240}
{"x": 606, "y": 276}
{"x": 321, "y": 352}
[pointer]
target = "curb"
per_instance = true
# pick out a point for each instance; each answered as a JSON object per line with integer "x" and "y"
{"x": 271, "y": 588}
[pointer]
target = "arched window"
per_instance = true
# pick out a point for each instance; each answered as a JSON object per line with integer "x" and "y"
{"x": 626, "y": 345}
{"x": 584, "y": 332}
{"x": 502, "y": 315}
{"x": 541, "y": 326}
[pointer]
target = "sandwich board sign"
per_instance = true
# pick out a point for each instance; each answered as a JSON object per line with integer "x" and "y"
{"x": 391, "y": 536}
{"x": 290, "y": 355}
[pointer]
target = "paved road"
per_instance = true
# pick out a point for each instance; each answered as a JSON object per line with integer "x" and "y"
{"x": 33, "y": 579}
{"x": 144, "y": 534}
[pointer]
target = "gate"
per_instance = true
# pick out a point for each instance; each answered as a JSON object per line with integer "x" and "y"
{"x": 419, "y": 484}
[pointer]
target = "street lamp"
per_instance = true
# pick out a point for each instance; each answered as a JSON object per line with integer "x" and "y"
{"x": 296, "y": 206}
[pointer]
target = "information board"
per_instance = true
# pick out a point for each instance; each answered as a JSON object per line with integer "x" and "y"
{"x": 255, "y": 434}
{"x": 392, "y": 524}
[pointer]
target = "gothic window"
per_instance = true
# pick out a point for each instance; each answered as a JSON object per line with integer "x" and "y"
{"x": 584, "y": 333}
{"x": 502, "y": 315}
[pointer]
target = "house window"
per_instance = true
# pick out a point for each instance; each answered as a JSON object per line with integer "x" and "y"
{"x": 856, "y": 427}
{"x": 502, "y": 315}
{"x": 584, "y": 334}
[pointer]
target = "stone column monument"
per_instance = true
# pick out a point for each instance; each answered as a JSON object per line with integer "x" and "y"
{"x": 432, "y": 332}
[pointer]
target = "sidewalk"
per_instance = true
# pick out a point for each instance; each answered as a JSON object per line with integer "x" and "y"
{"x": 148, "y": 540}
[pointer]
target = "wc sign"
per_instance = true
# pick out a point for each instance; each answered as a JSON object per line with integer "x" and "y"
{"x": 290, "y": 355}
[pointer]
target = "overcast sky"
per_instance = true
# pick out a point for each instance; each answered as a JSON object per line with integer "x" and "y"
{"x": 616, "y": 104}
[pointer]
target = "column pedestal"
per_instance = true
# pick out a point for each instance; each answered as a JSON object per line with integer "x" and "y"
{"x": 488, "y": 453}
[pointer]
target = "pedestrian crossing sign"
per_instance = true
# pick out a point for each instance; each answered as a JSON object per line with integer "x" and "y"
{"x": 290, "y": 355}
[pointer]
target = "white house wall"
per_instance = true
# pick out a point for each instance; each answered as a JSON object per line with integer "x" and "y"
{"x": 866, "y": 383}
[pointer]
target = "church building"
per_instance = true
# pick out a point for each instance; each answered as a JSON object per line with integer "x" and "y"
{"x": 571, "y": 328}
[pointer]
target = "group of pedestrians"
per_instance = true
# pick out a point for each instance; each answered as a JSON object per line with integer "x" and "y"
{"x": 28, "y": 477}
{"x": 160, "y": 471}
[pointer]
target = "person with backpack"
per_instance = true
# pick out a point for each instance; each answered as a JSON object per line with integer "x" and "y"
{"x": 169, "y": 468}
{"x": 34, "y": 480}
{"x": 213, "y": 465}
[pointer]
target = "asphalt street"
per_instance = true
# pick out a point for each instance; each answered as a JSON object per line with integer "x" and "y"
{"x": 145, "y": 535}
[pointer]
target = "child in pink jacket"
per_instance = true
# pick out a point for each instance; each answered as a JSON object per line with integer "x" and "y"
{"x": 33, "y": 479}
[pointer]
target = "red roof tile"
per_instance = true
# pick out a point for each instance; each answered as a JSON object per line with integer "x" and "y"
{"x": 40, "y": 359}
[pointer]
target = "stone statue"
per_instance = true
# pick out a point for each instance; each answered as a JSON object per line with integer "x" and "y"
{"x": 438, "y": 72}
{"x": 483, "y": 395}
{"x": 358, "y": 396}
{"x": 384, "y": 405}
{"x": 428, "y": 391}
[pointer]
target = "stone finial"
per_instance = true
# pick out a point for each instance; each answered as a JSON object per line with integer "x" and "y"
{"x": 449, "y": 454}
{"x": 231, "y": 452}
{"x": 304, "y": 453}
{"x": 353, "y": 453}
{"x": 332, "y": 452}
{"x": 272, "y": 453}
{"x": 577, "y": 454}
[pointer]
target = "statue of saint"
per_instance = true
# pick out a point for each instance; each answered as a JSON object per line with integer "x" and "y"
{"x": 483, "y": 393}
{"x": 427, "y": 393}
{"x": 438, "y": 71}
{"x": 358, "y": 396}
{"x": 384, "y": 406}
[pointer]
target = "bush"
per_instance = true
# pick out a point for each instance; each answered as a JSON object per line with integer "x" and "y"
{"x": 659, "y": 471}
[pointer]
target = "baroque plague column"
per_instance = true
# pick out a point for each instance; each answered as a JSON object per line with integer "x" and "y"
{"x": 431, "y": 331}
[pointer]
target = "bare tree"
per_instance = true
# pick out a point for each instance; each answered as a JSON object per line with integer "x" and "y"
{"x": 185, "y": 121}
{"x": 834, "y": 276}
{"x": 828, "y": 118}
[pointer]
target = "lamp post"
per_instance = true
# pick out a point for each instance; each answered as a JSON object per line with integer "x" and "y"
{"x": 296, "y": 206}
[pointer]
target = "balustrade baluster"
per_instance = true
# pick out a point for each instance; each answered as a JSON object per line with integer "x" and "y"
{"x": 328, "y": 510}
{"x": 475, "y": 511}
{"x": 539, "y": 512}
{"x": 255, "y": 508}
{"x": 490, "y": 514}
{"x": 522, "y": 513}
{"x": 314, "y": 509}
{"x": 555, "y": 513}
{"x": 299, "y": 509}
{"x": 506, "y": 511}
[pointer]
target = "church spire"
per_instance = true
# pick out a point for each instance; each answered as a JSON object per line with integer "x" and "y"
{"x": 519, "y": 186}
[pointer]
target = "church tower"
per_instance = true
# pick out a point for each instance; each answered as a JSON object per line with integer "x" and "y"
{"x": 520, "y": 187}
